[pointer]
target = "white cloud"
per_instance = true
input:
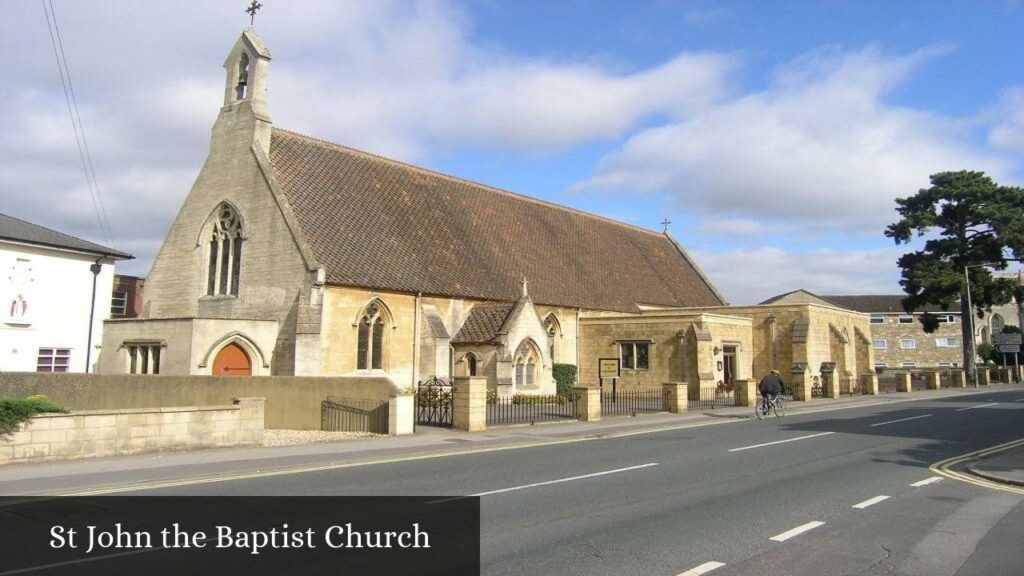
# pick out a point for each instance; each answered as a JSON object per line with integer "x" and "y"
{"x": 820, "y": 146}
{"x": 1008, "y": 133}
{"x": 752, "y": 276}
{"x": 732, "y": 227}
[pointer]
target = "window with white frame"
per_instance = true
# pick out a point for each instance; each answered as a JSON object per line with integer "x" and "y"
{"x": 947, "y": 318}
{"x": 947, "y": 342}
{"x": 635, "y": 355}
{"x": 143, "y": 358}
{"x": 949, "y": 364}
{"x": 908, "y": 344}
{"x": 906, "y": 319}
{"x": 877, "y": 319}
{"x": 908, "y": 365}
{"x": 119, "y": 303}
{"x": 881, "y": 344}
{"x": 53, "y": 360}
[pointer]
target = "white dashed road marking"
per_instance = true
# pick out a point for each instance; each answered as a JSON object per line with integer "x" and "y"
{"x": 870, "y": 502}
{"x": 796, "y": 531}
{"x": 781, "y": 441}
{"x": 927, "y": 481}
{"x": 977, "y": 406}
{"x": 547, "y": 483}
{"x": 901, "y": 420}
{"x": 702, "y": 569}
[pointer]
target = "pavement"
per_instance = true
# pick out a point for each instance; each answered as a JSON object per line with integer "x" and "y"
{"x": 1005, "y": 466}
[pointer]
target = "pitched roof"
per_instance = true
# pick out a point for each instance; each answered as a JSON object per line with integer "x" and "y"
{"x": 17, "y": 230}
{"x": 483, "y": 323}
{"x": 378, "y": 223}
{"x": 883, "y": 303}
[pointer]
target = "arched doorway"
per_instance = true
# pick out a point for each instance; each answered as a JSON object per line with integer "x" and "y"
{"x": 232, "y": 360}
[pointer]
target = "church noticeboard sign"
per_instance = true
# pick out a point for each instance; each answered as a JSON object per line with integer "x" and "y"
{"x": 608, "y": 368}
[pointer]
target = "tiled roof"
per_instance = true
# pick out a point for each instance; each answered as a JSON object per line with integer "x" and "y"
{"x": 483, "y": 323}
{"x": 20, "y": 231}
{"x": 378, "y": 223}
{"x": 882, "y": 304}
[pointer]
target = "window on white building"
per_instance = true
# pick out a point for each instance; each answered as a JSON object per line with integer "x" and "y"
{"x": 881, "y": 344}
{"x": 908, "y": 344}
{"x": 53, "y": 360}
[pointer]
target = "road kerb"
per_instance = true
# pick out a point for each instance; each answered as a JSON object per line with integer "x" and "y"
{"x": 945, "y": 467}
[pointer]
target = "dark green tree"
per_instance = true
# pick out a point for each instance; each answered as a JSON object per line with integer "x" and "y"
{"x": 966, "y": 219}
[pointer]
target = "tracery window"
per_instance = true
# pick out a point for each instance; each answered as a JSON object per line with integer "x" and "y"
{"x": 225, "y": 263}
{"x": 370, "y": 348}
{"x": 526, "y": 361}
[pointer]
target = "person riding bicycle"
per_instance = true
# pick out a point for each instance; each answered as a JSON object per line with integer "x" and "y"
{"x": 771, "y": 386}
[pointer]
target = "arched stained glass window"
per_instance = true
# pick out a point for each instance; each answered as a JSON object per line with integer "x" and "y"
{"x": 225, "y": 263}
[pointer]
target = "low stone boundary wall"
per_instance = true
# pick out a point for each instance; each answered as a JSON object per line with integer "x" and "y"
{"x": 93, "y": 433}
{"x": 293, "y": 402}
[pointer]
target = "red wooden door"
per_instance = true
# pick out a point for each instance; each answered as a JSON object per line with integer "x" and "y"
{"x": 232, "y": 361}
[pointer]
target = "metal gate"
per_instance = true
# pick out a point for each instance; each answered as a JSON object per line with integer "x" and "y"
{"x": 434, "y": 402}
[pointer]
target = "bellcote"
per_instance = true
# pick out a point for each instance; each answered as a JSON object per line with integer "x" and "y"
{"x": 246, "y": 74}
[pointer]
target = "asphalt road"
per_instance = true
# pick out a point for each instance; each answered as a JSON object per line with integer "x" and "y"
{"x": 778, "y": 496}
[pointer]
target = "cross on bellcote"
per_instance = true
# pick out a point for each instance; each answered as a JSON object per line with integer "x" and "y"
{"x": 251, "y": 11}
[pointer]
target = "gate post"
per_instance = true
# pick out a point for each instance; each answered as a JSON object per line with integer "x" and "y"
{"x": 932, "y": 380}
{"x": 469, "y": 403}
{"x": 744, "y": 392}
{"x": 869, "y": 384}
{"x": 903, "y": 382}
{"x": 401, "y": 414}
{"x": 800, "y": 384}
{"x": 588, "y": 404}
{"x": 1005, "y": 375}
{"x": 958, "y": 379}
{"x": 984, "y": 376}
{"x": 674, "y": 395}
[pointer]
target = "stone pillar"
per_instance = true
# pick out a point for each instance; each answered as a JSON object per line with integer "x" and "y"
{"x": 869, "y": 384}
{"x": 800, "y": 383}
{"x": 1005, "y": 375}
{"x": 401, "y": 414}
{"x": 903, "y": 382}
{"x": 251, "y": 419}
{"x": 674, "y": 395}
{"x": 932, "y": 379}
{"x": 588, "y": 404}
{"x": 469, "y": 404}
{"x": 958, "y": 379}
{"x": 745, "y": 392}
{"x": 984, "y": 377}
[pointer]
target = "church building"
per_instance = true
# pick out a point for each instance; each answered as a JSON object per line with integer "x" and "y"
{"x": 296, "y": 256}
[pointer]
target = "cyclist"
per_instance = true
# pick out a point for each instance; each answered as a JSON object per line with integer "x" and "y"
{"x": 770, "y": 387}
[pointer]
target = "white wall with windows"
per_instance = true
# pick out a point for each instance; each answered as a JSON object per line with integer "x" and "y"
{"x": 47, "y": 297}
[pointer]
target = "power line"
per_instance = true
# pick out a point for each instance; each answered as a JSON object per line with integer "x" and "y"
{"x": 76, "y": 121}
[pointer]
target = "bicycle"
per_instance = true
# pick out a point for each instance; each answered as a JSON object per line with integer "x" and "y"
{"x": 767, "y": 404}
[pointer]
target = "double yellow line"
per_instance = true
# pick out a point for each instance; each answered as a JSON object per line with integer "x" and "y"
{"x": 945, "y": 467}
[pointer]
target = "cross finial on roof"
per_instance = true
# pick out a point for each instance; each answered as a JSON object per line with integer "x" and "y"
{"x": 526, "y": 292}
{"x": 251, "y": 11}
{"x": 665, "y": 223}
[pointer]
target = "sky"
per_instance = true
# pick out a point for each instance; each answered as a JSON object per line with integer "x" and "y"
{"x": 775, "y": 136}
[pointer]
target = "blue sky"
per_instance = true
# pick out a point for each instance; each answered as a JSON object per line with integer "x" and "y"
{"x": 774, "y": 135}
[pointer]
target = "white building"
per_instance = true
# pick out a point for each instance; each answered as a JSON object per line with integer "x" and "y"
{"x": 55, "y": 291}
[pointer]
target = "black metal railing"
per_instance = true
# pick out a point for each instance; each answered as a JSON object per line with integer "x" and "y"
{"x": 887, "y": 383}
{"x": 711, "y": 397}
{"x": 918, "y": 381}
{"x": 434, "y": 402}
{"x": 632, "y": 402}
{"x": 849, "y": 387}
{"x": 529, "y": 409}
{"x": 354, "y": 415}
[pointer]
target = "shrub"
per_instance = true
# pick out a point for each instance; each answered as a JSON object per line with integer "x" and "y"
{"x": 565, "y": 377}
{"x": 14, "y": 412}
